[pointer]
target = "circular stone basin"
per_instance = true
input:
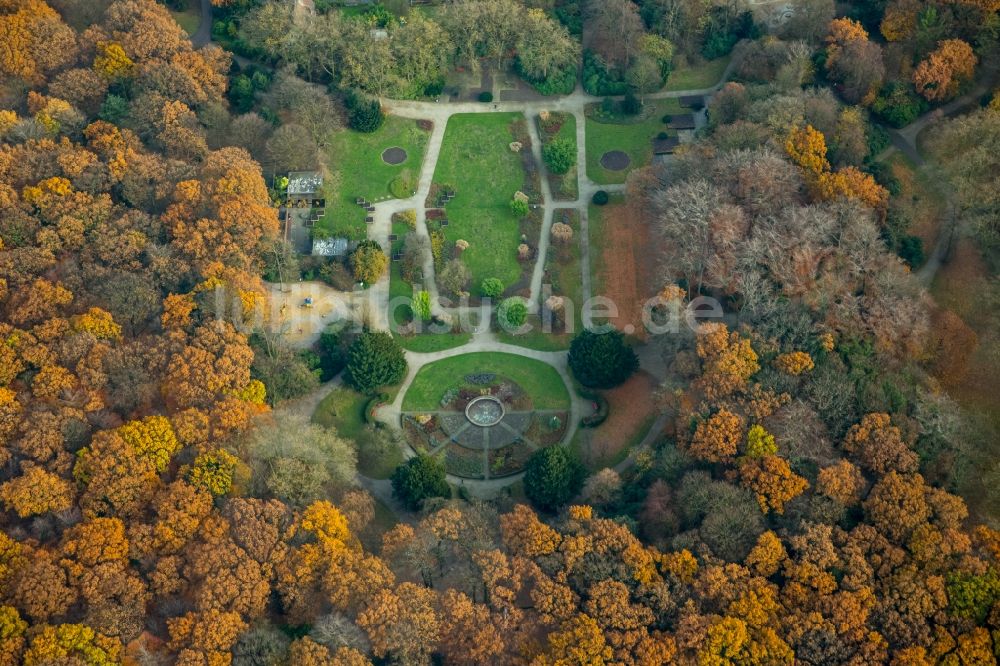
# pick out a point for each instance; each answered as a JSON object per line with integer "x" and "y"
{"x": 394, "y": 155}
{"x": 615, "y": 160}
{"x": 484, "y": 411}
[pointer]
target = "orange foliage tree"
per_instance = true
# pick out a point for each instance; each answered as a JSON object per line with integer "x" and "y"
{"x": 204, "y": 638}
{"x": 794, "y": 363}
{"x": 717, "y": 439}
{"x": 773, "y": 481}
{"x": 728, "y": 360}
{"x": 939, "y": 76}
{"x": 841, "y": 482}
{"x": 878, "y": 445}
{"x": 807, "y": 148}
{"x": 402, "y": 623}
{"x": 37, "y": 491}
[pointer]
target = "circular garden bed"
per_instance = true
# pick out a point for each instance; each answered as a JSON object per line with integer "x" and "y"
{"x": 615, "y": 160}
{"x": 487, "y": 422}
{"x": 394, "y": 155}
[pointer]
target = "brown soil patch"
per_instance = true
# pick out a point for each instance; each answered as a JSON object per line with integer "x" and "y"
{"x": 628, "y": 262}
{"x": 394, "y": 155}
{"x": 632, "y": 408}
{"x": 615, "y": 160}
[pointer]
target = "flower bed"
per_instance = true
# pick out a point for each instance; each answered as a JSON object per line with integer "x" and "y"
{"x": 509, "y": 460}
{"x": 544, "y": 430}
{"x": 464, "y": 462}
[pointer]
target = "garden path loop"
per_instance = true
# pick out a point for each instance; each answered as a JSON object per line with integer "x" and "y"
{"x": 440, "y": 112}
{"x": 376, "y": 298}
{"x": 391, "y": 414}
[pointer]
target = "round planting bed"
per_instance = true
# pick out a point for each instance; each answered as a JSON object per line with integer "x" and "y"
{"x": 615, "y": 160}
{"x": 394, "y": 155}
{"x": 485, "y": 412}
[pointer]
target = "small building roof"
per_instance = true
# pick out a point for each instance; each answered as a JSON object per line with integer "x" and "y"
{"x": 329, "y": 247}
{"x": 682, "y": 121}
{"x": 692, "y": 101}
{"x": 665, "y": 146}
{"x": 304, "y": 182}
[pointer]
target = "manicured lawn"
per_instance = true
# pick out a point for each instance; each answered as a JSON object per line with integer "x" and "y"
{"x": 354, "y": 161}
{"x": 477, "y": 161}
{"x": 535, "y": 338}
{"x": 568, "y": 129}
{"x": 342, "y": 409}
{"x": 352, "y": 12}
{"x": 631, "y": 134}
{"x": 539, "y": 380}
{"x": 705, "y": 75}
{"x": 190, "y": 18}
{"x": 398, "y": 287}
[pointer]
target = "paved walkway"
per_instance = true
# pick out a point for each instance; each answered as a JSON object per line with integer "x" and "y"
{"x": 203, "y": 35}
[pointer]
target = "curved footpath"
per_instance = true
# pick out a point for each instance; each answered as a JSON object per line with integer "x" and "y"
{"x": 390, "y": 414}
{"x": 203, "y": 35}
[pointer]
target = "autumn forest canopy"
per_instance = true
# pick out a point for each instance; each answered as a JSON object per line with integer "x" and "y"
{"x": 823, "y": 490}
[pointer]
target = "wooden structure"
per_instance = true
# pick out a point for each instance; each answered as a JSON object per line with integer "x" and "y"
{"x": 665, "y": 146}
{"x": 683, "y": 121}
{"x": 696, "y": 102}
